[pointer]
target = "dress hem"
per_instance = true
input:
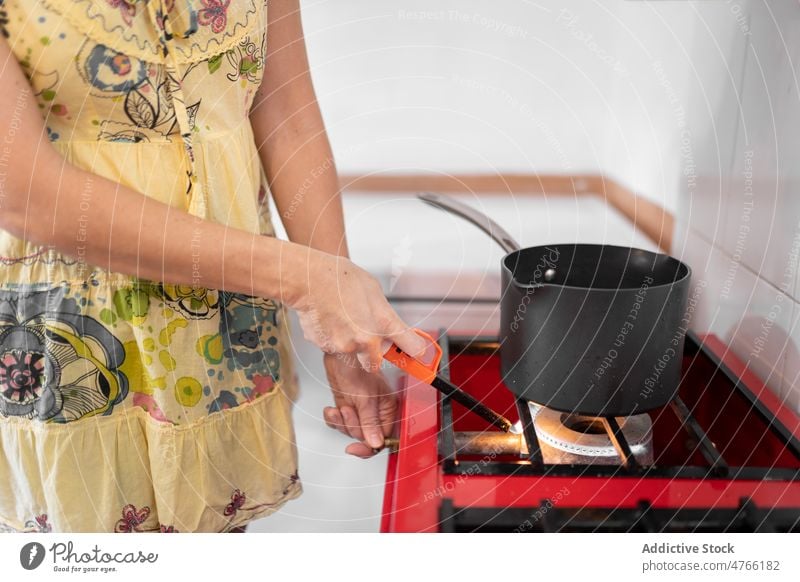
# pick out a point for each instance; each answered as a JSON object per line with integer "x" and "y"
{"x": 295, "y": 491}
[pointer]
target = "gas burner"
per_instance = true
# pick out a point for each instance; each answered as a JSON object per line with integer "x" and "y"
{"x": 724, "y": 455}
{"x": 573, "y": 439}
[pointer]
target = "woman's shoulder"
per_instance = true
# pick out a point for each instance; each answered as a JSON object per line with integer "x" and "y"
{"x": 199, "y": 28}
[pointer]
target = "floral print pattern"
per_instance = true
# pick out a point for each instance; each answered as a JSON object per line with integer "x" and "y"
{"x": 246, "y": 60}
{"x": 110, "y": 71}
{"x": 22, "y": 375}
{"x": 127, "y": 9}
{"x": 216, "y": 22}
{"x": 192, "y": 301}
{"x": 243, "y": 346}
{"x": 39, "y": 524}
{"x": 237, "y": 501}
{"x": 138, "y": 95}
{"x": 3, "y": 22}
{"x": 145, "y": 90}
{"x": 294, "y": 479}
{"x": 243, "y": 322}
{"x": 214, "y": 14}
{"x": 56, "y": 364}
{"x": 132, "y": 518}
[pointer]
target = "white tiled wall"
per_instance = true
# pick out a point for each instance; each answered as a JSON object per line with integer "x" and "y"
{"x": 739, "y": 224}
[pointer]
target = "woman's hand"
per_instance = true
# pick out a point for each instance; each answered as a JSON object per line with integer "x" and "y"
{"x": 365, "y": 407}
{"x": 343, "y": 311}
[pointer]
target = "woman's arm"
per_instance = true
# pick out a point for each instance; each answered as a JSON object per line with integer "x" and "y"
{"x": 299, "y": 165}
{"x": 292, "y": 140}
{"x": 125, "y": 231}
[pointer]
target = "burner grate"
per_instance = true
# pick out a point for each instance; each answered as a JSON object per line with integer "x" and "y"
{"x": 715, "y": 465}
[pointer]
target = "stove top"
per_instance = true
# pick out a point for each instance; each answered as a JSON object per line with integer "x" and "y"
{"x": 723, "y": 456}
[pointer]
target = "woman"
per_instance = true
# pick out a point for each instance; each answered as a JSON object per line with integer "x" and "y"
{"x": 146, "y": 381}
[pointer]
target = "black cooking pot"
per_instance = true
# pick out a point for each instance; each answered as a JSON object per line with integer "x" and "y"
{"x": 588, "y": 329}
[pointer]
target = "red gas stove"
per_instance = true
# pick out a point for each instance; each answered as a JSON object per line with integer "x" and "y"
{"x": 723, "y": 456}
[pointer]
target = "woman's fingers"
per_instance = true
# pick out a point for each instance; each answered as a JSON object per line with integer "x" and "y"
{"x": 345, "y": 420}
{"x": 351, "y": 423}
{"x": 333, "y": 418}
{"x": 362, "y": 425}
{"x": 407, "y": 339}
{"x": 372, "y": 357}
{"x": 370, "y": 422}
{"x": 359, "y": 450}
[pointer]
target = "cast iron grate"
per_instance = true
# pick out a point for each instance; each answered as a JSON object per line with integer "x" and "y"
{"x": 715, "y": 466}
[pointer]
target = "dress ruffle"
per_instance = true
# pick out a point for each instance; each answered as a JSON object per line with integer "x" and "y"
{"x": 213, "y": 475}
{"x": 125, "y": 26}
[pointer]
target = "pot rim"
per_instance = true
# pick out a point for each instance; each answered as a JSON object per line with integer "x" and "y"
{"x": 520, "y": 285}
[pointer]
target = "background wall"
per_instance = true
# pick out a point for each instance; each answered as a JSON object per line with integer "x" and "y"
{"x": 678, "y": 100}
{"x": 738, "y": 221}
{"x": 460, "y": 86}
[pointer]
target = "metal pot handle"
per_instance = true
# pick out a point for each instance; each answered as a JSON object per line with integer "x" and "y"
{"x": 479, "y": 219}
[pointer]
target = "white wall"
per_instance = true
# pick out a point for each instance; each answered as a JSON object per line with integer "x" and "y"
{"x": 515, "y": 86}
{"x": 676, "y": 99}
{"x": 739, "y": 225}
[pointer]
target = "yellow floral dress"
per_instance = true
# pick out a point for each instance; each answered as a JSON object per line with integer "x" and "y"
{"x": 128, "y": 404}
